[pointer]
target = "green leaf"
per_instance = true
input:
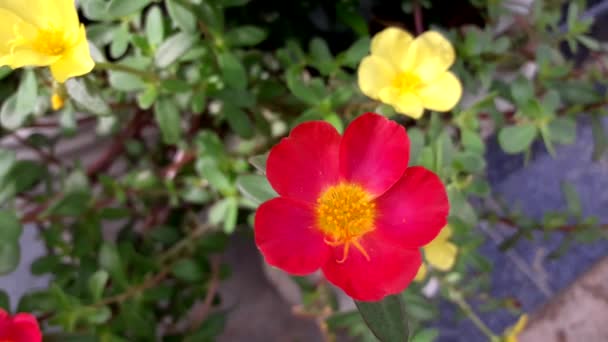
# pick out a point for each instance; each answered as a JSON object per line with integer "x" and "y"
{"x": 10, "y": 252}
{"x": 233, "y": 3}
{"x": 232, "y": 210}
{"x": 121, "y": 8}
{"x": 299, "y": 88}
{"x": 259, "y": 162}
{"x": 187, "y": 270}
{"x": 472, "y": 141}
{"x": 256, "y": 188}
{"x": 563, "y": 130}
{"x": 238, "y": 120}
{"x": 10, "y": 226}
{"x": 245, "y": 36}
{"x": 516, "y": 139}
{"x": 416, "y": 144}
{"x": 71, "y": 204}
{"x": 426, "y": 335}
{"x": 386, "y": 318}
{"x": 182, "y": 16}
{"x": 79, "y": 92}
{"x": 120, "y": 41}
{"x": 469, "y": 161}
{"x": 216, "y": 178}
{"x": 110, "y": 260}
{"x": 146, "y": 99}
{"x": 125, "y": 81}
{"x": 5, "y": 302}
{"x": 26, "y": 95}
{"x": 461, "y": 208}
{"x": 232, "y": 70}
{"x": 155, "y": 30}
{"x": 600, "y": 138}
{"x": 522, "y": 91}
{"x": 167, "y": 117}
{"x": 356, "y": 52}
{"x": 9, "y": 117}
{"x": 173, "y": 48}
{"x": 97, "y": 284}
{"x": 321, "y": 56}
{"x": 45, "y": 264}
{"x": 572, "y": 199}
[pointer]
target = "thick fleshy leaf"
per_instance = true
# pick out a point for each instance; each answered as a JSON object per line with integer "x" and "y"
{"x": 374, "y": 152}
{"x": 442, "y": 94}
{"x": 389, "y": 270}
{"x": 386, "y": 319}
{"x": 413, "y": 211}
{"x": 429, "y": 56}
{"x": 374, "y": 74}
{"x": 286, "y": 235}
{"x": 75, "y": 62}
{"x": 391, "y": 44}
{"x": 302, "y": 165}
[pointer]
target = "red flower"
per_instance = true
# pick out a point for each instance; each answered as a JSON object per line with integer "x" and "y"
{"x": 350, "y": 206}
{"x": 22, "y": 327}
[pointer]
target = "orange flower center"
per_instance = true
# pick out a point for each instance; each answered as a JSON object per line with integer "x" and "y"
{"x": 406, "y": 81}
{"x": 345, "y": 212}
{"x": 50, "y": 41}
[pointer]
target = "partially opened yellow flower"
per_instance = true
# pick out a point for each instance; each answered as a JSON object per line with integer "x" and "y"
{"x": 511, "y": 333}
{"x": 44, "y": 33}
{"x": 410, "y": 74}
{"x": 440, "y": 253}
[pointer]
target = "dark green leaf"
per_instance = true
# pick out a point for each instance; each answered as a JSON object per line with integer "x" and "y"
{"x": 26, "y": 95}
{"x": 238, "y": 120}
{"x": 5, "y": 302}
{"x": 386, "y": 318}
{"x": 563, "y": 130}
{"x": 121, "y": 8}
{"x": 10, "y": 226}
{"x": 110, "y": 260}
{"x": 572, "y": 199}
{"x": 299, "y": 88}
{"x": 321, "y": 57}
{"x": 173, "y": 48}
{"x": 416, "y": 144}
{"x": 97, "y": 284}
{"x": 245, "y": 36}
{"x": 155, "y": 30}
{"x": 184, "y": 17}
{"x": 168, "y": 118}
{"x": 10, "y": 252}
{"x": 353, "y": 56}
{"x": 256, "y": 188}
{"x": 516, "y": 139}
{"x": 232, "y": 70}
{"x": 187, "y": 270}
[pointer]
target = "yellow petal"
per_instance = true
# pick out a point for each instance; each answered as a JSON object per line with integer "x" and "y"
{"x": 442, "y": 94}
{"x": 374, "y": 74}
{"x": 391, "y": 44}
{"x": 512, "y": 332}
{"x": 421, "y": 273}
{"x": 42, "y": 13}
{"x": 405, "y": 103}
{"x": 441, "y": 255}
{"x": 429, "y": 56}
{"x": 74, "y": 62}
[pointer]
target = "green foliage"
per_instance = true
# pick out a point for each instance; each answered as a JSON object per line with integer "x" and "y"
{"x": 186, "y": 99}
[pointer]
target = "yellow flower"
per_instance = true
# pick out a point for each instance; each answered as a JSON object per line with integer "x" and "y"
{"x": 44, "y": 33}
{"x": 57, "y": 101}
{"x": 511, "y": 333}
{"x": 440, "y": 253}
{"x": 409, "y": 73}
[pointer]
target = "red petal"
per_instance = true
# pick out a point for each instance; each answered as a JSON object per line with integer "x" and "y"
{"x": 413, "y": 211}
{"x": 286, "y": 235}
{"x": 374, "y": 152}
{"x": 25, "y": 328}
{"x": 389, "y": 270}
{"x": 305, "y": 163}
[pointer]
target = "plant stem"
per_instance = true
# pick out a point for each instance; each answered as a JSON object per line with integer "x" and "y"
{"x": 148, "y": 76}
{"x": 418, "y": 17}
{"x": 457, "y": 298}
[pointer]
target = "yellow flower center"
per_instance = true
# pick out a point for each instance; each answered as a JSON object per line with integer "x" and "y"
{"x": 344, "y": 213}
{"x": 406, "y": 81}
{"x": 50, "y": 41}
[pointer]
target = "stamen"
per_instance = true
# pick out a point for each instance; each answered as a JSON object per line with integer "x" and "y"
{"x": 346, "y": 248}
